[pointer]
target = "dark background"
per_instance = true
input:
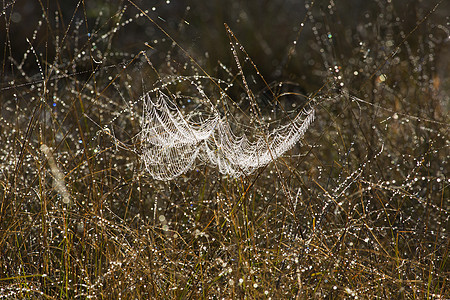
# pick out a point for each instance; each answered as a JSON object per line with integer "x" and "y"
{"x": 266, "y": 29}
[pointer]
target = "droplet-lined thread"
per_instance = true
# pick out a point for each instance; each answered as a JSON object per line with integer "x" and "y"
{"x": 173, "y": 143}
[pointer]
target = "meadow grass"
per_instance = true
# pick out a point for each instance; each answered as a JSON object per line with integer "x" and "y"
{"x": 358, "y": 210}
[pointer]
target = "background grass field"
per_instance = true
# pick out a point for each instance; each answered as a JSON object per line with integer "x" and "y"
{"x": 358, "y": 210}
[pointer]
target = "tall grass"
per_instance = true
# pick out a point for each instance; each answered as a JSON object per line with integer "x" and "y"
{"x": 359, "y": 210}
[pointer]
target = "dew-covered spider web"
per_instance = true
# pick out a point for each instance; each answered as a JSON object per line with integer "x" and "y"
{"x": 173, "y": 143}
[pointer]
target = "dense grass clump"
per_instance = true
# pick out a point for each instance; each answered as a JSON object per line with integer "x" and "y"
{"x": 359, "y": 209}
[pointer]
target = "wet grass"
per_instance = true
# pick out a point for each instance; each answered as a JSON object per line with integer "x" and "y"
{"x": 359, "y": 209}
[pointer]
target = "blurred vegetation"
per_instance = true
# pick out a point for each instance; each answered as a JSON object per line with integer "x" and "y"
{"x": 360, "y": 210}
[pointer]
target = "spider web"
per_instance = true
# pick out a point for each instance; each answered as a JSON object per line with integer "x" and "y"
{"x": 172, "y": 143}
